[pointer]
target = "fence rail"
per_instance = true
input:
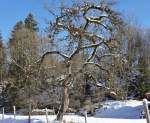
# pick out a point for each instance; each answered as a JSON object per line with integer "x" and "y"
{"x": 46, "y": 111}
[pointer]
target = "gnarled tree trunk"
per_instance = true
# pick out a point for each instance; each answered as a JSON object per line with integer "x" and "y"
{"x": 64, "y": 105}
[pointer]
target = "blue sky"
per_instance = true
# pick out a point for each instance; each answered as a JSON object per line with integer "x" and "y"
{"x": 12, "y": 11}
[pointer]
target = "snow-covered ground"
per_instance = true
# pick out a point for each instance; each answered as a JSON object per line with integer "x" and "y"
{"x": 130, "y": 109}
{"x": 111, "y": 112}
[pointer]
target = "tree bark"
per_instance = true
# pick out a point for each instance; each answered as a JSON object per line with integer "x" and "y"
{"x": 64, "y": 105}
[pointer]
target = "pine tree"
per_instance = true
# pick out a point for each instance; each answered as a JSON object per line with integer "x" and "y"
{"x": 1, "y": 45}
{"x": 31, "y": 23}
{"x": 19, "y": 25}
{"x": 2, "y": 52}
{"x": 2, "y": 72}
{"x": 23, "y": 54}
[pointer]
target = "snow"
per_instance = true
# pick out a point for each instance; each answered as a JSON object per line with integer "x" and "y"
{"x": 75, "y": 119}
{"x": 121, "y": 109}
{"x": 111, "y": 112}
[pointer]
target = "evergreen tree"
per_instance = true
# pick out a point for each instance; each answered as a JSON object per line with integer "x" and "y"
{"x": 2, "y": 53}
{"x": 23, "y": 47}
{"x": 31, "y": 23}
{"x": 1, "y": 45}
{"x": 19, "y": 25}
{"x": 2, "y": 72}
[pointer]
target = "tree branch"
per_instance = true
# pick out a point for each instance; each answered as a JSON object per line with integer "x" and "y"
{"x": 92, "y": 55}
{"x": 17, "y": 64}
{"x": 99, "y": 58}
{"x": 95, "y": 64}
{"x": 52, "y": 52}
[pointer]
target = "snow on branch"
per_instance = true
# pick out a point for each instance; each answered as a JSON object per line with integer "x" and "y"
{"x": 53, "y": 52}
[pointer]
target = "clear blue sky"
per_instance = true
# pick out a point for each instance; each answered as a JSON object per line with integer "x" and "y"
{"x": 12, "y": 11}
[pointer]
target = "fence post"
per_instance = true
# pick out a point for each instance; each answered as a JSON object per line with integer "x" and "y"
{"x": 46, "y": 115}
{"x": 29, "y": 113}
{"x": 14, "y": 107}
{"x": 53, "y": 110}
{"x": 145, "y": 103}
{"x": 85, "y": 115}
{"x": 3, "y": 113}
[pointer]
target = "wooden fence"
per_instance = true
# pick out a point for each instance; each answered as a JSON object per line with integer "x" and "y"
{"x": 46, "y": 111}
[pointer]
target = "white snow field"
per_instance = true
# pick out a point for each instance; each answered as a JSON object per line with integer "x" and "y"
{"x": 111, "y": 112}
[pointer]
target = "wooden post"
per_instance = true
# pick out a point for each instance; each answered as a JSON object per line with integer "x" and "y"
{"x": 85, "y": 115}
{"x": 29, "y": 113}
{"x": 46, "y": 115}
{"x": 145, "y": 103}
{"x": 53, "y": 110}
{"x": 3, "y": 113}
{"x": 14, "y": 107}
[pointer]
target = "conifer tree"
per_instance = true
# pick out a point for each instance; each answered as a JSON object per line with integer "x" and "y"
{"x": 19, "y": 25}
{"x": 2, "y": 72}
{"x": 23, "y": 47}
{"x": 31, "y": 23}
{"x": 2, "y": 54}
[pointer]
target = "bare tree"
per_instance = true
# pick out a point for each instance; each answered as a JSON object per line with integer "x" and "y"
{"x": 87, "y": 29}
